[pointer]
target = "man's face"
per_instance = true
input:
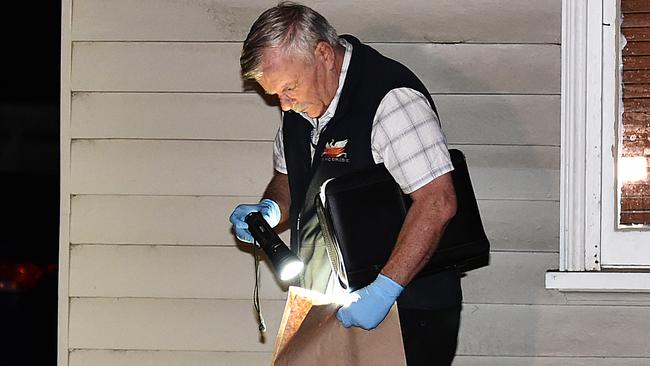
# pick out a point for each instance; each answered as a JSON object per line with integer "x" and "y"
{"x": 297, "y": 83}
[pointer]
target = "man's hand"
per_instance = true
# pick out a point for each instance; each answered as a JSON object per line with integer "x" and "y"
{"x": 370, "y": 304}
{"x": 269, "y": 210}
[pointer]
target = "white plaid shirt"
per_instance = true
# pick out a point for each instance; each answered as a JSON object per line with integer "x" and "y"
{"x": 406, "y": 135}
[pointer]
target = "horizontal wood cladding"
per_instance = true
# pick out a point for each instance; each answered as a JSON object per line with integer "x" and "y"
{"x": 502, "y": 21}
{"x": 214, "y": 67}
{"x": 512, "y": 278}
{"x": 205, "y": 116}
{"x": 171, "y": 220}
{"x": 160, "y": 271}
{"x": 462, "y": 360}
{"x": 510, "y": 226}
{"x": 476, "y": 119}
{"x": 171, "y": 324}
{"x": 552, "y": 331}
{"x": 189, "y": 220}
{"x": 166, "y": 140}
{"x": 481, "y": 119}
{"x": 170, "y": 167}
{"x": 162, "y": 167}
{"x": 83, "y": 357}
{"x": 126, "y": 271}
{"x": 513, "y": 172}
{"x": 229, "y": 325}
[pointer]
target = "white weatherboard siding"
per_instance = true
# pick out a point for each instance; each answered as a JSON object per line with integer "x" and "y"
{"x": 214, "y": 67}
{"x": 183, "y": 358}
{"x": 170, "y": 324}
{"x": 171, "y": 271}
{"x": 167, "y": 358}
{"x": 466, "y": 118}
{"x": 506, "y": 21}
{"x": 162, "y": 140}
{"x": 202, "y": 220}
{"x": 548, "y": 361}
{"x": 183, "y": 167}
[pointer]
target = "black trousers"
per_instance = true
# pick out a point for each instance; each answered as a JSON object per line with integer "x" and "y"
{"x": 430, "y": 336}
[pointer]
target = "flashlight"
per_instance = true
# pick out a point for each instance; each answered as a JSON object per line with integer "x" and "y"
{"x": 286, "y": 264}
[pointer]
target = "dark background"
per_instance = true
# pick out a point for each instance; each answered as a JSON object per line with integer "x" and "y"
{"x": 29, "y": 174}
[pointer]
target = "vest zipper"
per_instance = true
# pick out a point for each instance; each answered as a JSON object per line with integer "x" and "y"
{"x": 298, "y": 223}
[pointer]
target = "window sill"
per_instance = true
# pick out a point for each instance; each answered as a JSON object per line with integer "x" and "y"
{"x": 600, "y": 281}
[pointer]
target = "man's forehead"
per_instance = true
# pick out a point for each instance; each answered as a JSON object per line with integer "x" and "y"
{"x": 272, "y": 56}
{"x": 277, "y": 70}
{"x": 272, "y": 80}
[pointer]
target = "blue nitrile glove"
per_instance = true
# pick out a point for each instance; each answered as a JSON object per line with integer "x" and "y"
{"x": 268, "y": 208}
{"x": 371, "y": 303}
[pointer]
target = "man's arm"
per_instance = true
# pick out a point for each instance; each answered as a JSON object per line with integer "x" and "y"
{"x": 407, "y": 138}
{"x": 278, "y": 191}
{"x": 433, "y": 206}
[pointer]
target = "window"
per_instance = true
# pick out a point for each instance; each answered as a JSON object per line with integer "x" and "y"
{"x": 633, "y": 186}
{"x": 596, "y": 252}
{"x": 625, "y": 240}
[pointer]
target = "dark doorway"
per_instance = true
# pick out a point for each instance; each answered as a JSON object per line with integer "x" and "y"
{"x": 29, "y": 171}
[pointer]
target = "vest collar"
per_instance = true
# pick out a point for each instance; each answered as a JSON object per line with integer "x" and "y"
{"x": 352, "y": 77}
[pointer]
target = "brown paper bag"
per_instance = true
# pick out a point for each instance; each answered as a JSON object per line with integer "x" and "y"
{"x": 311, "y": 335}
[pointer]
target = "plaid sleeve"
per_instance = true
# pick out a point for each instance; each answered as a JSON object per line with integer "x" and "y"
{"x": 279, "y": 163}
{"x": 408, "y": 139}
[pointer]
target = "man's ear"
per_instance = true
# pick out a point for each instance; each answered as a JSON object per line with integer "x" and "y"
{"x": 324, "y": 52}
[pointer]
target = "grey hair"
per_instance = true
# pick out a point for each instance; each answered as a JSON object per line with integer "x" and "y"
{"x": 292, "y": 28}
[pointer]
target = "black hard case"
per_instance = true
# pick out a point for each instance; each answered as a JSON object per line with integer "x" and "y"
{"x": 361, "y": 215}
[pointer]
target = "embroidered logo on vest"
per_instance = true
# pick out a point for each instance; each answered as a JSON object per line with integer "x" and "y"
{"x": 335, "y": 151}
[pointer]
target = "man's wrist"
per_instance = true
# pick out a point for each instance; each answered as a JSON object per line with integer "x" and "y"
{"x": 270, "y": 202}
{"x": 274, "y": 213}
{"x": 388, "y": 286}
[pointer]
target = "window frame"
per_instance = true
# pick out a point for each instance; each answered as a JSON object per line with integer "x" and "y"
{"x": 590, "y": 92}
{"x": 629, "y": 251}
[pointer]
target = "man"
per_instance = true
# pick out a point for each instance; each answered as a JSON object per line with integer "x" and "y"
{"x": 346, "y": 108}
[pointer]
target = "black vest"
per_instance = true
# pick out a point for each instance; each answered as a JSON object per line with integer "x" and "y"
{"x": 343, "y": 147}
